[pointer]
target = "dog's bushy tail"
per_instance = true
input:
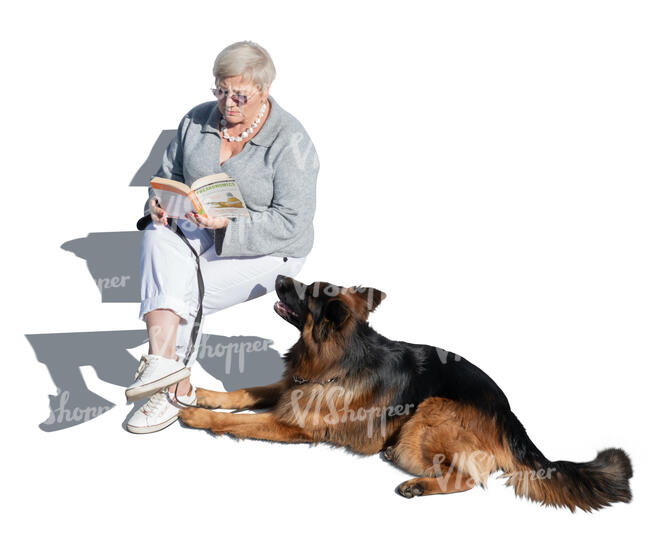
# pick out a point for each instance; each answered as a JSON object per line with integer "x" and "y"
{"x": 589, "y": 486}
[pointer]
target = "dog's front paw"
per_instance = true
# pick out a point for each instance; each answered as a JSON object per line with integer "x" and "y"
{"x": 196, "y": 417}
{"x": 208, "y": 399}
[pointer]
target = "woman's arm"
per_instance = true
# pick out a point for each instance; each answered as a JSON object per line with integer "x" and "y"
{"x": 290, "y": 214}
{"x": 171, "y": 167}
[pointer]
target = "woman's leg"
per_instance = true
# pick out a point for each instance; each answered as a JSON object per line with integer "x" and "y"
{"x": 170, "y": 293}
{"x": 232, "y": 280}
{"x": 162, "y": 326}
{"x": 169, "y": 290}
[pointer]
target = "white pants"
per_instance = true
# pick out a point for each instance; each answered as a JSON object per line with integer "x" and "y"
{"x": 169, "y": 279}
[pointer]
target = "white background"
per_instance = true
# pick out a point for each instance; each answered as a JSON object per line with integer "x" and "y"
{"x": 483, "y": 163}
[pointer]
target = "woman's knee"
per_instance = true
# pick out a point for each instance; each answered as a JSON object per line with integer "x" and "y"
{"x": 161, "y": 240}
{"x": 154, "y": 235}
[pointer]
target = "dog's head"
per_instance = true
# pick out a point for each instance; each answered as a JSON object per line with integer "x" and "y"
{"x": 322, "y": 308}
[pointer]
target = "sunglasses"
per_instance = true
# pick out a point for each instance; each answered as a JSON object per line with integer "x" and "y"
{"x": 239, "y": 98}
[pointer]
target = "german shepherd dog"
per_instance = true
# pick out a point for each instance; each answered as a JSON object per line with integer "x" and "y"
{"x": 431, "y": 412}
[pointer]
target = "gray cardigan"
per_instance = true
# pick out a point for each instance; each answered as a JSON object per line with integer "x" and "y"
{"x": 276, "y": 172}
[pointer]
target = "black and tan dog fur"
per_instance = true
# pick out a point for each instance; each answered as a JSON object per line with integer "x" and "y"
{"x": 432, "y": 413}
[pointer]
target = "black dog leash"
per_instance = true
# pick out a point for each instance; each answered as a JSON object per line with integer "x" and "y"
{"x": 199, "y": 314}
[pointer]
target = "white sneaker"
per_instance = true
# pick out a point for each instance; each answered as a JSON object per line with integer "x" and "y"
{"x": 158, "y": 412}
{"x": 153, "y": 374}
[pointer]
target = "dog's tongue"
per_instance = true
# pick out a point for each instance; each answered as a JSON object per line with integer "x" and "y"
{"x": 279, "y": 306}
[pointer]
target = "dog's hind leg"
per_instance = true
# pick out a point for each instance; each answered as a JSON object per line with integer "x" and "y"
{"x": 435, "y": 477}
{"x": 251, "y": 398}
{"x": 448, "y": 482}
{"x": 439, "y": 446}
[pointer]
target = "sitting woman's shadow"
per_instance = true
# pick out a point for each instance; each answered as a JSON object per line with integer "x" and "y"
{"x": 91, "y": 369}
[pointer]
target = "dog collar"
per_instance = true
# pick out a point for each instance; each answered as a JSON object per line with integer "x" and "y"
{"x": 301, "y": 380}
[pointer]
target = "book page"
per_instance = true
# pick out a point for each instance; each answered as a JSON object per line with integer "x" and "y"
{"x": 174, "y": 204}
{"x": 222, "y": 199}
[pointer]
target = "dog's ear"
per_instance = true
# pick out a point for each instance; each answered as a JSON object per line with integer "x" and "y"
{"x": 328, "y": 317}
{"x": 371, "y": 297}
{"x": 336, "y": 312}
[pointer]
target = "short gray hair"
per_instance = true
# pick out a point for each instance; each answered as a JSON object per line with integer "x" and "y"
{"x": 247, "y": 59}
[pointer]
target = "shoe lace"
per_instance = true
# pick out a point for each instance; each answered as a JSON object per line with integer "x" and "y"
{"x": 144, "y": 362}
{"x": 155, "y": 402}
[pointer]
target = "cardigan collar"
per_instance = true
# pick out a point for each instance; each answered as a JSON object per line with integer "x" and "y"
{"x": 266, "y": 134}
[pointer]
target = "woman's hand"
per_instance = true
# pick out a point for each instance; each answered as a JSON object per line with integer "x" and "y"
{"x": 157, "y": 213}
{"x": 206, "y": 221}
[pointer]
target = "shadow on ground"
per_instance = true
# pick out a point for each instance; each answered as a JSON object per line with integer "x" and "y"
{"x": 113, "y": 260}
{"x": 237, "y": 361}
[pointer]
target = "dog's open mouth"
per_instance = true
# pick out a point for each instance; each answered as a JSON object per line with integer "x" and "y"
{"x": 284, "y": 312}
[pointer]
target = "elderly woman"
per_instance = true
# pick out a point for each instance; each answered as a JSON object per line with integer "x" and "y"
{"x": 199, "y": 265}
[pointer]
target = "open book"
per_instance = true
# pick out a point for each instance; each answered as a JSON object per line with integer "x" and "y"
{"x": 213, "y": 195}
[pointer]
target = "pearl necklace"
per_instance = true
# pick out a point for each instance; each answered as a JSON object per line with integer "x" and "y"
{"x": 246, "y": 132}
